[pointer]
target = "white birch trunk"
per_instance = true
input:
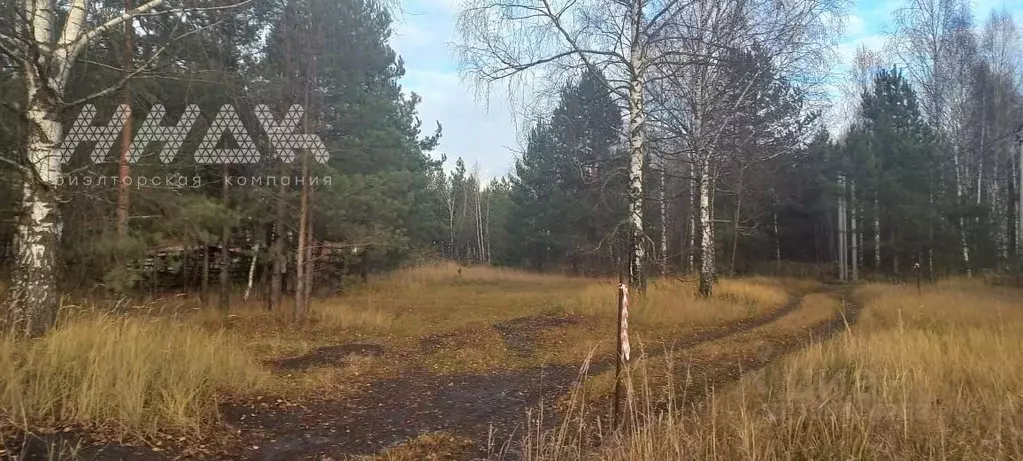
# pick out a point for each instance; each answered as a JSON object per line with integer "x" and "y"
{"x": 691, "y": 239}
{"x": 706, "y": 231}
{"x": 451, "y": 223}
{"x": 962, "y": 221}
{"x": 1019, "y": 195}
{"x": 479, "y": 221}
{"x": 487, "y": 227}
{"x": 637, "y": 141}
{"x": 33, "y": 299}
{"x": 1012, "y": 224}
{"x": 855, "y": 232}
{"x": 859, "y": 236}
{"x": 842, "y": 250}
{"x": 999, "y": 220}
{"x": 930, "y": 233}
{"x": 252, "y": 272}
{"x": 877, "y": 234}
{"x": 664, "y": 225}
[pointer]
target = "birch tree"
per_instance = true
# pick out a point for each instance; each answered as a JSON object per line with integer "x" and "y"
{"x": 860, "y": 80}
{"x": 621, "y": 40}
{"x": 925, "y": 35}
{"x": 45, "y": 41}
{"x": 698, "y": 99}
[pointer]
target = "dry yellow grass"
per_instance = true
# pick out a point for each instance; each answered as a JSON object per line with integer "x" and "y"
{"x": 664, "y": 368}
{"x": 935, "y": 376}
{"x": 675, "y": 302}
{"x": 162, "y": 365}
{"x": 143, "y": 374}
{"x": 429, "y": 276}
{"x": 433, "y": 446}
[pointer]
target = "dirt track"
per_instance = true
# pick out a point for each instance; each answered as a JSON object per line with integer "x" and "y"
{"x": 486, "y": 408}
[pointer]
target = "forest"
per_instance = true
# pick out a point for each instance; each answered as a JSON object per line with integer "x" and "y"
{"x": 248, "y": 186}
{"x": 924, "y": 172}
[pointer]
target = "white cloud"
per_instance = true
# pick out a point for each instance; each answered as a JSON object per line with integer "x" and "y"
{"x": 478, "y": 130}
{"x": 854, "y": 25}
{"x": 471, "y": 129}
{"x": 847, "y": 50}
{"x": 488, "y": 131}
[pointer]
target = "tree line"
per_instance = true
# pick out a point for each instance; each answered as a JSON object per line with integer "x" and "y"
{"x": 681, "y": 137}
{"x": 723, "y": 164}
{"x": 369, "y": 206}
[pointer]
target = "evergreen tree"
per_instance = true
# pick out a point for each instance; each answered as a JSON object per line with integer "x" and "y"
{"x": 568, "y": 190}
{"x": 896, "y": 157}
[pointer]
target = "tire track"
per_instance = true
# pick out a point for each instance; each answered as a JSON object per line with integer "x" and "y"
{"x": 502, "y": 435}
{"x": 707, "y": 377}
{"x": 483, "y": 407}
{"x": 718, "y": 375}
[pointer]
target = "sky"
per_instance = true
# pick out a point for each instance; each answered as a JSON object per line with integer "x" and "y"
{"x": 485, "y": 129}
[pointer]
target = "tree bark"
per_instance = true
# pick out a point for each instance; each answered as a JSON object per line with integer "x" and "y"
{"x": 33, "y": 299}
{"x": 204, "y": 292}
{"x": 664, "y": 224}
{"x": 303, "y": 278}
{"x": 842, "y": 237}
{"x": 277, "y": 253}
{"x": 931, "y": 225}
{"x": 1019, "y": 192}
{"x": 300, "y": 252}
{"x": 123, "y": 168}
{"x": 691, "y": 247}
{"x": 877, "y": 234}
{"x": 225, "y": 250}
{"x": 310, "y": 262}
{"x": 303, "y": 235}
{"x": 706, "y": 286}
{"x": 451, "y": 224}
{"x": 962, "y": 221}
{"x": 479, "y": 217}
{"x": 252, "y": 272}
{"x": 265, "y": 274}
{"x": 637, "y": 155}
{"x": 486, "y": 227}
{"x": 1012, "y": 217}
{"x": 735, "y": 221}
{"x": 855, "y": 232}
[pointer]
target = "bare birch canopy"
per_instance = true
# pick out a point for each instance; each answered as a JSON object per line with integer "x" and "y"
{"x": 635, "y": 45}
{"x": 502, "y": 39}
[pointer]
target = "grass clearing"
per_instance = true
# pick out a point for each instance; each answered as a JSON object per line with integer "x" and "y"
{"x": 931, "y": 376}
{"x": 164, "y": 365}
{"x": 143, "y": 374}
{"x": 673, "y": 302}
{"x": 665, "y": 368}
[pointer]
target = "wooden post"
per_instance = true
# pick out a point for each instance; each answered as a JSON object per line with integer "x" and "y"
{"x": 623, "y": 348}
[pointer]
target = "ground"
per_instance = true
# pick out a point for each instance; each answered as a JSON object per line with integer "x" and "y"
{"x": 442, "y": 363}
